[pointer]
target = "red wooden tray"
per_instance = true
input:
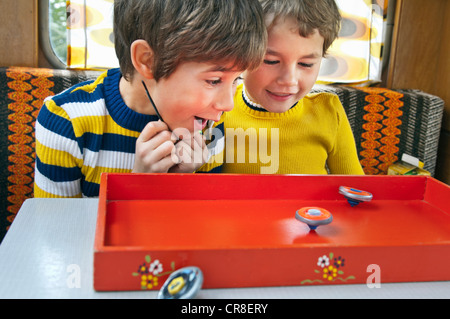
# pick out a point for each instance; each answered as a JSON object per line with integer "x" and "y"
{"x": 241, "y": 230}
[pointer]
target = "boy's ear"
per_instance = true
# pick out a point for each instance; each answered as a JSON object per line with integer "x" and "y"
{"x": 142, "y": 58}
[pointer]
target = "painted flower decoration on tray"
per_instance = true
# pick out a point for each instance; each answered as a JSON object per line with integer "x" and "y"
{"x": 330, "y": 270}
{"x": 149, "y": 272}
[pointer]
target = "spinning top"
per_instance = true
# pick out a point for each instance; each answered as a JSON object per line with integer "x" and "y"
{"x": 355, "y": 196}
{"x": 314, "y": 216}
{"x": 184, "y": 283}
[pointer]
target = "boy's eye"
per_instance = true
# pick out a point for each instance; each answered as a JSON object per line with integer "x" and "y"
{"x": 271, "y": 62}
{"x": 306, "y": 65}
{"x": 214, "y": 82}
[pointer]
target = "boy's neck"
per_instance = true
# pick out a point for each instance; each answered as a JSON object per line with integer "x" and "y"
{"x": 133, "y": 94}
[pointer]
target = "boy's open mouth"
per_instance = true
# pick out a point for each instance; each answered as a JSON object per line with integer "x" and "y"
{"x": 200, "y": 123}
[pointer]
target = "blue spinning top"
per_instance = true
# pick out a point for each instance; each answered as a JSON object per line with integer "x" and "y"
{"x": 355, "y": 196}
{"x": 313, "y": 216}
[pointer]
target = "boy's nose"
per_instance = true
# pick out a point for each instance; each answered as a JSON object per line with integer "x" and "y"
{"x": 288, "y": 76}
{"x": 225, "y": 102}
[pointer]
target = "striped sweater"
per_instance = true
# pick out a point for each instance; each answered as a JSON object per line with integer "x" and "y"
{"x": 83, "y": 132}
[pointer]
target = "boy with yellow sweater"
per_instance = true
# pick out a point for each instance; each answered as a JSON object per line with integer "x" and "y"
{"x": 277, "y": 126}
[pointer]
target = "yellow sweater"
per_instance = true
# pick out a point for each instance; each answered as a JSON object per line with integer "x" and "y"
{"x": 313, "y": 137}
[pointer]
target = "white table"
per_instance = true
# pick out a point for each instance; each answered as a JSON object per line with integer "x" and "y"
{"x": 52, "y": 239}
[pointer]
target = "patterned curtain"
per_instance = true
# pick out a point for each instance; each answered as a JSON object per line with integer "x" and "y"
{"x": 355, "y": 58}
{"x": 90, "y": 42}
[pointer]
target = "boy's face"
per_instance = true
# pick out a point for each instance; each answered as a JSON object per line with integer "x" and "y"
{"x": 195, "y": 93}
{"x": 290, "y": 69}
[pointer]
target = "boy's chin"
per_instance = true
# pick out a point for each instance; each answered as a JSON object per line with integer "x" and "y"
{"x": 278, "y": 108}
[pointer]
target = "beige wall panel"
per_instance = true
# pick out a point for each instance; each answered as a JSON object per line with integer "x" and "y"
{"x": 420, "y": 60}
{"x": 19, "y": 33}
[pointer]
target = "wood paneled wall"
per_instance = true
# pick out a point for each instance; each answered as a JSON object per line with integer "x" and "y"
{"x": 420, "y": 60}
{"x": 19, "y": 33}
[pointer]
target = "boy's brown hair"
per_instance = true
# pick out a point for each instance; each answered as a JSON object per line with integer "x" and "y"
{"x": 230, "y": 31}
{"x": 322, "y": 15}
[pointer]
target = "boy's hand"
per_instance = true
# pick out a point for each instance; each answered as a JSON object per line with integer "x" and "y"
{"x": 154, "y": 149}
{"x": 191, "y": 151}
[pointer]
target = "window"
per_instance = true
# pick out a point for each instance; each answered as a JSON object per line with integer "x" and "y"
{"x": 57, "y": 28}
{"x": 78, "y": 33}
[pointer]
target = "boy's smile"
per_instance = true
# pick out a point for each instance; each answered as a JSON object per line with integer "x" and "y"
{"x": 290, "y": 69}
{"x": 281, "y": 97}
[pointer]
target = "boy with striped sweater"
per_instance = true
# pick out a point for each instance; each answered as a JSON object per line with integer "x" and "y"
{"x": 179, "y": 61}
